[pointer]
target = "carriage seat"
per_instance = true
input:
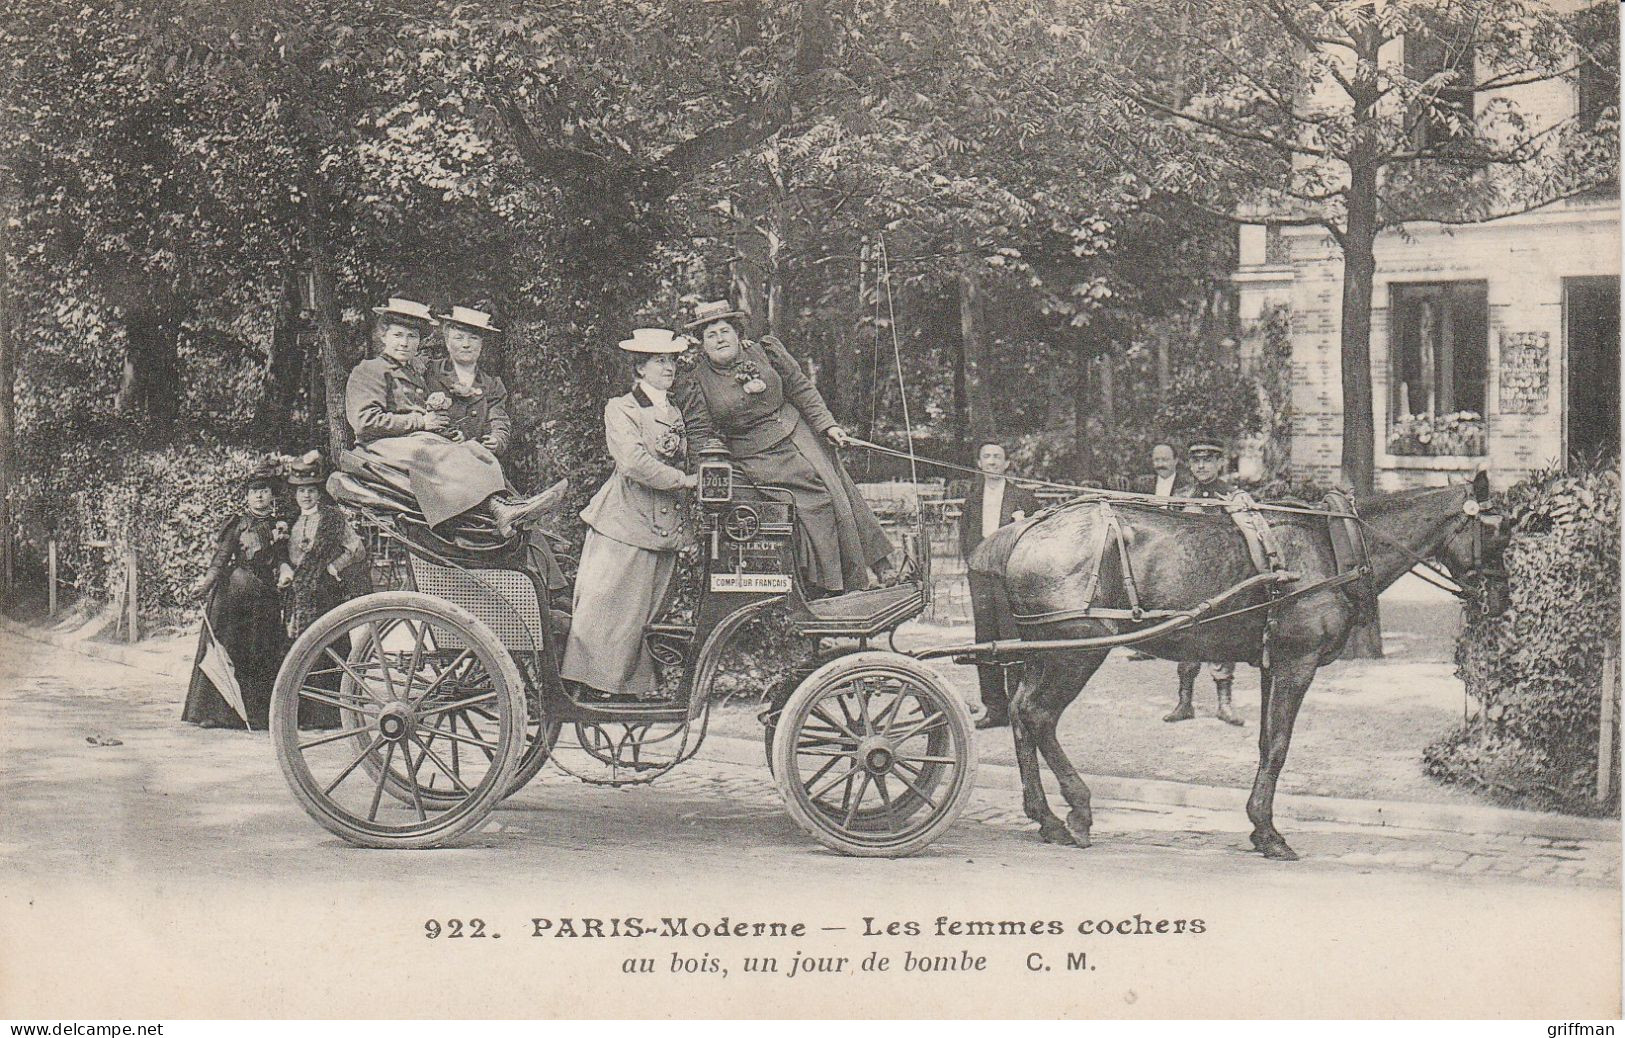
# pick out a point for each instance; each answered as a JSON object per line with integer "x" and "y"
{"x": 862, "y": 614}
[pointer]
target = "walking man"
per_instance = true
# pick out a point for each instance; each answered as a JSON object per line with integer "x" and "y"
{"x": 1206, "y": 455}
{"x": 992, "y": 501}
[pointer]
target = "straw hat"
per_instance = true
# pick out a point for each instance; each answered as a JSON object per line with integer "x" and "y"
{"x": 469, "y": 317}
{"x": 405, "y": 308}
{"x": 708, "y": 313}
{"x": 307, "y": 470}
{"x": 654, "y": 340}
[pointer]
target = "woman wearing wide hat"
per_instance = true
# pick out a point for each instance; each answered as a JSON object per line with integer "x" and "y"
{"x": 635, "y": 523}
{"x": 477, "y": 401}
{"x": 403, "y": 429}
{"x": 244, "y": 611}
{"x": 754, "y": 398}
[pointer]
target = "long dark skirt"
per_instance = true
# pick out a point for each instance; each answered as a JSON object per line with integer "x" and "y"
{"x": 326, "y": 594}
{"x": 838, "y": 537}
{"x": 246, "y": 614}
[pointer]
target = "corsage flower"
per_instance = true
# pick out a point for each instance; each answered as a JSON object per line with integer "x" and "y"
{"x": 749, "y": 377}
{"x": 438, "y": 401}
{"x": 467, "y": 392}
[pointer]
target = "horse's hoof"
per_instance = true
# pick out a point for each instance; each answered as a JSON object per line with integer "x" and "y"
{"x": 1056, "y": 833}
{"x": 1078, "y": 828}
{"x": 1273, "y": 847}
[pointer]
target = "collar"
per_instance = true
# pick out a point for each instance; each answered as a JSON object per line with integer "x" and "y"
{"x": 648, "y": 396}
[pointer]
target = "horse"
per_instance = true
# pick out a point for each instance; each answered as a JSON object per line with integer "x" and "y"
{"x": 1180, "y": 556}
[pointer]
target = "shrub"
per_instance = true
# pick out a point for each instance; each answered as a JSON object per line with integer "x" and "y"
{"x": 1535, "y": 670}
{"x": 98, "y": 497}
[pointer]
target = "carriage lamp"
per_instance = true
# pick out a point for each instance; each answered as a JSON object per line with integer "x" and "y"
{"x": 716, "y": 476}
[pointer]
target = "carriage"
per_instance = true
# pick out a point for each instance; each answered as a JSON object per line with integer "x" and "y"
{"x": 447, "y": 695}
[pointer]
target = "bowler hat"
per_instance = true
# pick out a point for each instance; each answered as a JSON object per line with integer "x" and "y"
{"x": 709, "y": 313}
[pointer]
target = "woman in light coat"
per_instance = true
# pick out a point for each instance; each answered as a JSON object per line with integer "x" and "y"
{"x": 635, "y": 527}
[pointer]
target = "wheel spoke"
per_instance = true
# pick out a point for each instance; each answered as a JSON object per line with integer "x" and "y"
{"x": 857, "y": 801}
{"x": 819, "y": 751}
{"x": 441, "y": 765}
{"x": 821, "y": 771}
{"x": 836, "y": 725}
{"x": 917, "y": 790}
{"x": 320, "y": 695}
{"x": 458, "y": 705}
{"x": 479, "y": 736}
{"x": 862, "y": 695}
{"x": 417, "y": 658}
{"x": 489, "y": 747}
{"x": 927, "y": 725}
{"x": 814, "y": 794}
{"x": 352, "y": 766}
{"x": 926, "y": 759}
{"x": 383, "y": 775}
{"x": 357, "y": 678}
{"x": 442, "y": 676}
{"x": 888, "y": 717}
{"x": 334, "y": 737}
{"x": 412, "y": 777}
{"x": 880, "y": 787}
{"x": 383, "y": 659}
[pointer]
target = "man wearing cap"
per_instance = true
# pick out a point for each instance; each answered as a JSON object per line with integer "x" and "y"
{"x": 1206, "y": 457}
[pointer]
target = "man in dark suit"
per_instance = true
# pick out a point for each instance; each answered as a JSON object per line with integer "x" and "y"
{"x": 992, "y": 501}
{"x": 1166, "y": 473}
{"x": 1207, "y": 462}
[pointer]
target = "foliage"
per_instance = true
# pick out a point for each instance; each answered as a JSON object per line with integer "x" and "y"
{"x": 1273, "y": 370}
{"x": 103, "y": 497}
{"x": 1535, "y": 670}
{"x": 1459, "y": 434}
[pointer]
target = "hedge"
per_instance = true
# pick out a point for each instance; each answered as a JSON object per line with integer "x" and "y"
{"x": 1536, "y": 670}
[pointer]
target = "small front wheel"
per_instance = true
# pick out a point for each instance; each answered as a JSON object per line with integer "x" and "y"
{"x": 874, "y": 756}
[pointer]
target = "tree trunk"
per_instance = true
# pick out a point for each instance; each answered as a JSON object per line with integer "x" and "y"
{"x": 1164, "y": 378}
{"x": 1108, "y": 392}
{"x": 335, "y": 366}
{"x": 273, "y": 420}
{"x": 981, "y": 418}
{"x": 1359, "y": 269}
{"x": 151, "y": 379}
{"x": 1082, "y": 412}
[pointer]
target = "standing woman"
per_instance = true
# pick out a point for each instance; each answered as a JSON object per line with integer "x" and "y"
{"x": 244, "y": 609}
{"x": 756, "y": 400}
{"x": 635, "y": 527}
{"x": 326, "y": 554}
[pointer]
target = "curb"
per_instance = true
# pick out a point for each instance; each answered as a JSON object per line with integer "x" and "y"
{"x": 136, "y": 659}
{"x": 1459, "y": 818}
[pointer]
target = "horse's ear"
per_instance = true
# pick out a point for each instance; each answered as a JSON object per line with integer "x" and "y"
{"x": 1481, "y": 486}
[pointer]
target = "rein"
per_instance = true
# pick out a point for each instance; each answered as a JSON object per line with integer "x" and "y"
{"x": 1426, "y": 566}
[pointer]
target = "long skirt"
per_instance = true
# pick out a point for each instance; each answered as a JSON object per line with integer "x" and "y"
{"x": 246, "y": 615}
{"x": 447, "y": 478}
{"x": 618, "y": 589}
{"x": 838, "y": 537}
{"x": 303, "y": 609}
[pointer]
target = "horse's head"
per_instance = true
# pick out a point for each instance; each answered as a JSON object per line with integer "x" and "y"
{"x": 1472, "y": 549}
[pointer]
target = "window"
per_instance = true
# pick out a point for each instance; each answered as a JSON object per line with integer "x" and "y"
{"x": 1444, "y": 113}
{"x": 1438, "y": 349}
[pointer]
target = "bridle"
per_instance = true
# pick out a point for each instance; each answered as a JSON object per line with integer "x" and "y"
{"x": 1469, "y": 586}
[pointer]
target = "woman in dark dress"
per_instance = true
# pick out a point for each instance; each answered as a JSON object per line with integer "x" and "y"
{"x": 329, "y": 562}
{"x": 244, "y": 609}
{"x": 754, "y": 398}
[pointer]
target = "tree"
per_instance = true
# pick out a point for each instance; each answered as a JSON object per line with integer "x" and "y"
{"x": 1356, "y": 117}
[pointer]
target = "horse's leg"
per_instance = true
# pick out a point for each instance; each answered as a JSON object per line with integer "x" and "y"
{"x": 1046, "y": 716}
{"x": 1289, "y": 680}
{"x": 1046, "y": 678}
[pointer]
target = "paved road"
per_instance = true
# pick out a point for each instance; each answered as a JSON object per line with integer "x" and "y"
{"x": 176, "y": 861}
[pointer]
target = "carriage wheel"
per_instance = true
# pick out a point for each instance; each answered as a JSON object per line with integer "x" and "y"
{"x": 407, "y": 674}
{"x": 874, "y": 756}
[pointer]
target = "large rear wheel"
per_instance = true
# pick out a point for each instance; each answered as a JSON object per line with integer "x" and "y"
{"x": 431, "y": 712}
{"x": 874, "y": 755}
